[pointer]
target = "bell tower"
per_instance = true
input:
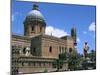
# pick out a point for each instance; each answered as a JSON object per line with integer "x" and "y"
{"x": 74, "y": 34}
{"x": 34, "y": 23}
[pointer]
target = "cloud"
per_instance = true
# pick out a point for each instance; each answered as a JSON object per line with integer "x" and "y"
{"x": 50, "y": 30}
{"x": 92, "y": 27}
{"x": 78, "y": 39}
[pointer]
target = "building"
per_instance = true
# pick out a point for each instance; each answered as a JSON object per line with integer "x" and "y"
{"x": 37, "y": 52}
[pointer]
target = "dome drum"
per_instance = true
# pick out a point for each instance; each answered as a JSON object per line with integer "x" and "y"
{"x": 34, "y": 22}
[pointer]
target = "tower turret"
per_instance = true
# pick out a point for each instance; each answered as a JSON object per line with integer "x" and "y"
{"x": 74, "y": 34}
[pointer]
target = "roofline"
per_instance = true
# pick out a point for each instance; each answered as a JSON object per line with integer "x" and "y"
{"x": 20, "y": 37}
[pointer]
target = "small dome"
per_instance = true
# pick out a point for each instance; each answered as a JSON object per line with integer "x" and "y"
{"x": 35, "y": 14}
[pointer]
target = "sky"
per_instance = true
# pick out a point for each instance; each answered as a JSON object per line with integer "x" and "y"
{"x": 60, "y": 18}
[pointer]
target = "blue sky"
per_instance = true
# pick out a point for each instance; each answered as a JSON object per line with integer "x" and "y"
{"x": 60, "y": 18}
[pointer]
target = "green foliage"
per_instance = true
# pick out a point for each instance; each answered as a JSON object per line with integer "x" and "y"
{"x": 45, "y": 70}
{"x": 90, "y": 61}
{"x": 73, "y": 59}
{"x": 92, "y": 55}
{"x": 62, "y": 56}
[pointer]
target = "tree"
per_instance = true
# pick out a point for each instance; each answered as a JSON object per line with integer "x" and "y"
{"x": 90, "y": 61}
{"x": 73, "y": 59}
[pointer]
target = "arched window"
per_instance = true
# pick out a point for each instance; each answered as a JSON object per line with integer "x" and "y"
{"x": 50, "y": 49}
{"x": 59, "y": 49}
{"x": 40, "y": 29}
{"x": 34, "y": 50}
{"x": 24, "y": 50}
{"x": 70, "y": 50}
{"x": 33, "y": 28}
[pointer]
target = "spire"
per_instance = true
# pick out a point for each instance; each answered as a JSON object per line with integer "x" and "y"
{"x": 74, "y": 27}
{"x": 35, "y": 7}
{"x": 73, "y": 33}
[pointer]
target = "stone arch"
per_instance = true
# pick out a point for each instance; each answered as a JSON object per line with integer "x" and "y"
{"x": 70, "y": 50}
{"x": 50, "y": 49}
{"x": 24, "y": 50}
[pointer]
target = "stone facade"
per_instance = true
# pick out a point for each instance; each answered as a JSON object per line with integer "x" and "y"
{"x": 36, "y": 52}
{"x": 49, "y": 46}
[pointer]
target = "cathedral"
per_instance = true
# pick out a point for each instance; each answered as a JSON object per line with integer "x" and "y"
{"x": 36, "y": 52}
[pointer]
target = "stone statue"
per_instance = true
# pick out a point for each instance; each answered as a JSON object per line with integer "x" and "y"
{"x": 85, "y": 48}
{"x": 27, "y": 51}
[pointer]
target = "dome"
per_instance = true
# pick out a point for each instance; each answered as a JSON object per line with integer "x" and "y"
{"x": 35, "y": 14}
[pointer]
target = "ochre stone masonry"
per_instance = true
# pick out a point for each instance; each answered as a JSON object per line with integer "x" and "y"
{"x": 36, "y": 52}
